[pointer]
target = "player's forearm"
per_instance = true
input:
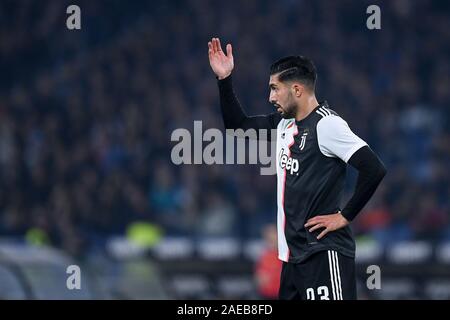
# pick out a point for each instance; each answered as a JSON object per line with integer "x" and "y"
{"x": 232, "y": 112}
{"x": 371, "y": 172}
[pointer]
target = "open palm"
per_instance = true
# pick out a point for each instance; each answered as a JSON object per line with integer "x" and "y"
{"x": 221, "y": 64}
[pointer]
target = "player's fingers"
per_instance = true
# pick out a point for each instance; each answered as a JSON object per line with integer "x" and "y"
{"x": 229, "y": 51}
{"x": 317, "y": 226}
{"x": 210, "y": 50}
{"x": 322, "y": 234}
{"x": 212, "y": 44}
{"x": 219, "y": 46}
{"x": 312, "y": 221}
{"x": 210, "y": 55}
{"x": 309, "y": 223}
{"x": 215, "y": 45}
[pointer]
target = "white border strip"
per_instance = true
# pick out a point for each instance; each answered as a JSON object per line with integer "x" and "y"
{"x": 330, "y": 262}
{"x": 319, "y": 111}
{"x": 338, "y": 279}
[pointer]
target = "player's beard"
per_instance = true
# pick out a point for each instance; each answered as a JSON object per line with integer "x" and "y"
{"x": 290, "y": 110}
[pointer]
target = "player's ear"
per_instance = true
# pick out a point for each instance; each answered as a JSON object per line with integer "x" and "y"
{"x": 297, "y": 90}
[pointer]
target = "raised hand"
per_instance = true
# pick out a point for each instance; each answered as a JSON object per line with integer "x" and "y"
{"x": 221, "y": 64}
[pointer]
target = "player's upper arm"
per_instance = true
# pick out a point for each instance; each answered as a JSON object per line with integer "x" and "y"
{"x": 268, "y": 121}
{"x": 336, "y": 139}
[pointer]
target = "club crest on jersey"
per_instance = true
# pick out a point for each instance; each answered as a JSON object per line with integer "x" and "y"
{"x": 290, "y": 164}
{"x": 303, "y": 140}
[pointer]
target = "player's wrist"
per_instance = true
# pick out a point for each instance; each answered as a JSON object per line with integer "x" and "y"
{"x": 345, "y": 216}
{"x": 223, "y": 77}
{"x": 345, "y": 221}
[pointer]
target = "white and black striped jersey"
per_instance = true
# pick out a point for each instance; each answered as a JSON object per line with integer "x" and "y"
{"x": 312, "y": 157}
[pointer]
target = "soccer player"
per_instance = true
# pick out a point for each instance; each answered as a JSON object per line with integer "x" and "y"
{"x": 314, "y": 145}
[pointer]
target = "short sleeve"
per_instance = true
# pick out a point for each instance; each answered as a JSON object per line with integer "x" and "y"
{"x": 336, "y": 139}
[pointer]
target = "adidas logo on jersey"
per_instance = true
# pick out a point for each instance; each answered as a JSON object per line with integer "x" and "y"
{"x": 290, "y": 164}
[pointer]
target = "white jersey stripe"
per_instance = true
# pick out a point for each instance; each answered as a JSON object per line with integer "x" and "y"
{"x": 330, "y": 263}
{"x": 320, "y": 112}
{"x": 327, "y": 112}
{"x": 335, "y": 276}
{"x": 283, "y": 143}
{"x": 338, "y": 276}
{"x": 283, "y": 249}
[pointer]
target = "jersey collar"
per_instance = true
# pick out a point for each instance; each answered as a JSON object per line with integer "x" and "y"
{"x": 323, "y": 103}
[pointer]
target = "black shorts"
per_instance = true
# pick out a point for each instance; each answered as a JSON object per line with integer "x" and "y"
{"x": 326, "y": 275}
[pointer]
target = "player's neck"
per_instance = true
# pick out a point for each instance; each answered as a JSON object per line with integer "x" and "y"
{"x": 306, "y": 108}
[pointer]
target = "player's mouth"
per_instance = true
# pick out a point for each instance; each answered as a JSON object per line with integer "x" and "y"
{"x": 278, "y": 107}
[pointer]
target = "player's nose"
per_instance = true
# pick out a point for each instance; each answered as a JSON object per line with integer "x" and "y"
{"x": 272, "y": 100}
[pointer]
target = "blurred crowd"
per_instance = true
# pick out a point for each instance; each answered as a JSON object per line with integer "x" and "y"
{"x": 86, "y": 116}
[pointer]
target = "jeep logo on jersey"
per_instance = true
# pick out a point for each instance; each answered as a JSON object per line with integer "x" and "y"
{"x": 290, "y": 164}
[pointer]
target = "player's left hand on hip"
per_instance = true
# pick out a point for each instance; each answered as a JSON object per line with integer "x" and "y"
{"x": 330, "y": 222}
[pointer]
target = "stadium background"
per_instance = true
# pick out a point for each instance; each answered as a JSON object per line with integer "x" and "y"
{"x": 85, "y": 124}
